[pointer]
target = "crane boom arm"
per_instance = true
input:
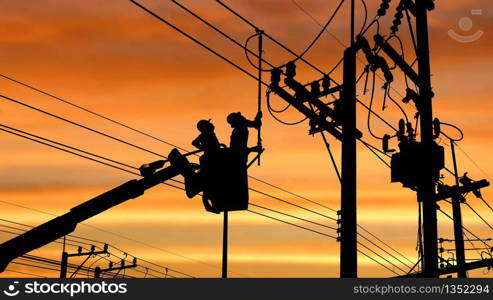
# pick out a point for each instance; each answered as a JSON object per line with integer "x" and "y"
{"x": 60, "y": 226}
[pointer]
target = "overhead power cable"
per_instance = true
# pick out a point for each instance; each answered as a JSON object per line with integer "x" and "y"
{"x": 479, "y": 216}
{"x": 195, "y": 40}
{"x": 89, "y": 111}
{"x": 86, "y": 247}
{"x": 292, "y": 224}
{"x": 79, "y": 125}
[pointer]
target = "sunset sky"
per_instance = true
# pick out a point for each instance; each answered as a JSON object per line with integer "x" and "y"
{"x": 111, "y": 57}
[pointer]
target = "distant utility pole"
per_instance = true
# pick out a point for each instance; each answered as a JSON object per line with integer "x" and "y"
{"x": 426, "y": 187}
{"x": 349, "y": 255}
{"x": 457, "y": 216}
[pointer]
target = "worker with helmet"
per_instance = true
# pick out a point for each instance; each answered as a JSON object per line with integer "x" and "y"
{"x": 207, "y": 140}
{"x": 239, "y": 136}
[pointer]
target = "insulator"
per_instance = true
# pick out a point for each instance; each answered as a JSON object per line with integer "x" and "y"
{"x": 385, "y": 143}
{"x": 397, "y": 17}
{"x": 290, "y": 70}
{"x": 275, "y": 76}
{"x": 436, "y": 128}
{"x": 326, "y": 83}
{"x": 409, "y": 96}
{"x": 315, "y": 88}
{"x": 430, "y": 5}
{"x": 381, "y": 63}
{"x": 402, "y": 128}
{"x": 382, "y": 11}
{"x": 410, "y": 130}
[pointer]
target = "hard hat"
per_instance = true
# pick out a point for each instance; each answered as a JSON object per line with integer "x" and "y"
{"x": 233, "y": 117}
{"x": 203, "y": 125}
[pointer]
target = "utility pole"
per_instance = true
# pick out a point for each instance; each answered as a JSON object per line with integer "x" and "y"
{"x": 348, "y": 249}
{"x": 426, "y": 187}
{"x": 66, "y": 256}
{"x": 457, "y": 215}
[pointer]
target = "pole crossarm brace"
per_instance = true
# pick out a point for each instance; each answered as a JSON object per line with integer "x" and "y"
{"x": 452, "y": 191}
{"x": 484, "y": 263}
{"x": 65, "y": 224}
{"x": 302, "y": 96}
{"x": 92, "y": 252}
{"x": 66, "y": 255}
{"x": 98, "y": 271}
{"x": 323, "y": 124}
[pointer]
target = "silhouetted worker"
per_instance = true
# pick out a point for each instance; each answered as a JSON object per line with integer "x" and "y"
{"x": 238, "y": 145}
{"x": 207, "y": 140}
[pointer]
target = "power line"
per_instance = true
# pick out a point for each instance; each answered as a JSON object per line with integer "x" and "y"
{"x": 302, "y": 59}
{"x": 99, "y": 247}
{"x": 88, "y": 111}
{"x": 292, "y": 224}
{"x": 110, "y": 165}
{"x": 376, "y": 261}
{"x": 477, "y": 214}
{"x": 74, "y": 123}
{"x": 241, "y": 69}
{"x": 324, "y": 28}
{"x": 132, "y": 1}
{"x": 71, "y": 152}
{"x": 302, "y": 9}
{"x": 293, "y": 204}
{"x": 292, "y": 216}
{"x": 402, "y": 255}
{"x": 372, "y": 150}
{"x": 137, "y": 174}
{"x": 80, "y": 125}
{"x": 87, "y": 249}
{"x": 215, "y": 28}
{"x": 195, "y": 40}
{"x": 465, "y": 228}
{"x": 80, "y": 155}
{"x": 486, "y": 203}
{"x": 272, "y": 38}
{"x": 390, "y": 254}
{"x": 25, "y": 273}
{"x": 131, "y": 172}
{"x": 473, "y": 161}
{"x": 69, "y": 147}
{"x": 389, "y": 262}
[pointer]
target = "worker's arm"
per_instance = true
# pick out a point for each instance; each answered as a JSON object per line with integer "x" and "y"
{"x": 197, "y": 143}
{"x": 257, "y": 122}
